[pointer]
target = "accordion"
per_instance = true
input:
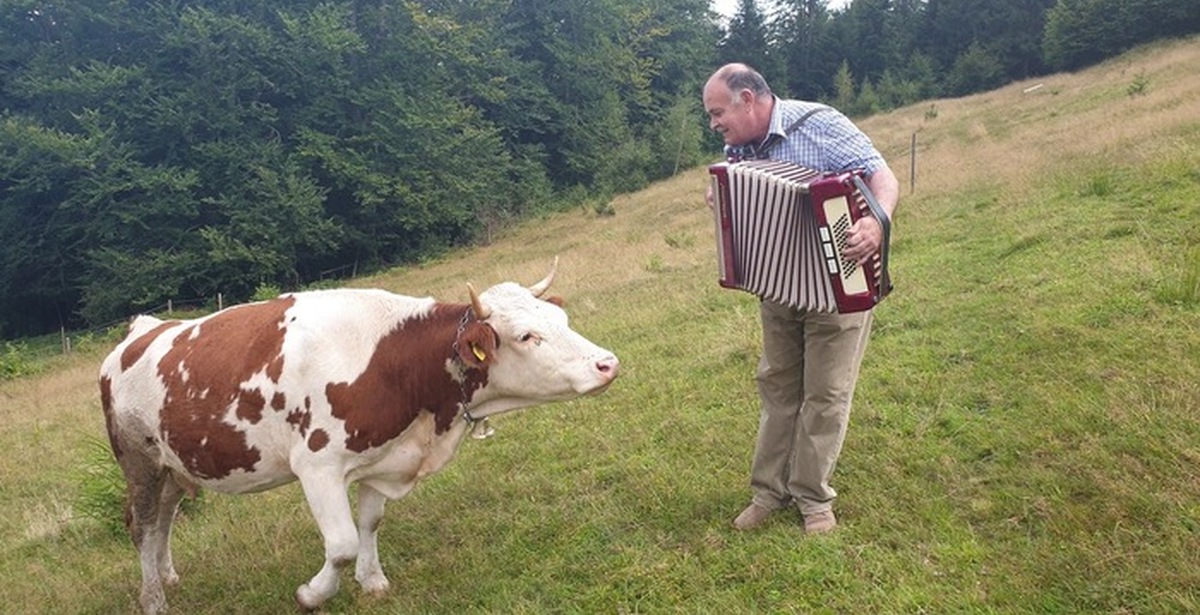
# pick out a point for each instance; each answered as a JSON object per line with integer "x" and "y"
{"x": 781, "y": 229}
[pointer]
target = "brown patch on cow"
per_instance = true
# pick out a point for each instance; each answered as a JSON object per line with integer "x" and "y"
{"x": 318, "y": 440}
{"x": 109, "y": 422}
{"x": 406, "y": 374}
{"x": 278, "y": 401}
{"x": 301, "y": 419}
{"x": 250, "y": 404}
{"x": 275, "y": 369}
{"x": 204, "y": 372}
{"x": 137, "y": 348}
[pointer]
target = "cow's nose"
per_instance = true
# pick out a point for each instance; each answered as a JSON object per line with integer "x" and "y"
{"x": 608, "y": 367}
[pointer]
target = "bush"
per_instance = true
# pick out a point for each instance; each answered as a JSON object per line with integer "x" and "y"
{"x": 101, "y": 495}
{"x": 1140, "y": 85}
{"x": 16, "y": 361}
{"x": 101, "y": 488}
{"x": 265, "y": 292}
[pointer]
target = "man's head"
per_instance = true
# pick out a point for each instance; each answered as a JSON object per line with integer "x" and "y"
{"x": 739, "y": 103}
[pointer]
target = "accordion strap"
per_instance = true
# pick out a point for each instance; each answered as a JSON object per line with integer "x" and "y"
{"x": 885, "y": 223}
{"x": 759, "y": 152}
{"x": 775, "y": 138}
{"x": 811, "y": 112}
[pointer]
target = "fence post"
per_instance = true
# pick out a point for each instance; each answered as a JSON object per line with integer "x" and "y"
{"x": 912, "y": 165}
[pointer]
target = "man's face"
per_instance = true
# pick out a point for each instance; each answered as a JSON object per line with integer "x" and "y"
{"x": 729, "y": 114}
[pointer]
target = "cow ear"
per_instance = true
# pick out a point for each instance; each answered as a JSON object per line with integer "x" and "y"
{"x": 477, "y": 345}
{"x": 556, "y": 301}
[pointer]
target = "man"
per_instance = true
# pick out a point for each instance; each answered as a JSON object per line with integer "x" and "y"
{"x": 810, "y": 360}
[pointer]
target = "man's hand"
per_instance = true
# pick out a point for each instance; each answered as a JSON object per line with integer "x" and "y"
{"x": 865, "y": 237}
{"x": 863, "y": 240}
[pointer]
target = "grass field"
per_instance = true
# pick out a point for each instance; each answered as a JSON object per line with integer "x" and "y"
{"x": 1025, "y": 438}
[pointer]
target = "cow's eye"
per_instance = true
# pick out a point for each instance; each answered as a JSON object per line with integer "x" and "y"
{"x": 525, "y": 337}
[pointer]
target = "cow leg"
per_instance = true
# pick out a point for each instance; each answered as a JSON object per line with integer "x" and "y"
{"x": 367, "y": 571}
{"x": 326, "y": 495}
{"x": 168, "y": 504}
{"x": 144, "y": 482}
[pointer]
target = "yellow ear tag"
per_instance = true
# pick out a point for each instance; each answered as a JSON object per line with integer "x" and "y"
{"x": 479, "y": 354}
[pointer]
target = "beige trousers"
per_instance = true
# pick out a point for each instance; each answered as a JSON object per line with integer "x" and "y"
{"x": 806, "y": 379}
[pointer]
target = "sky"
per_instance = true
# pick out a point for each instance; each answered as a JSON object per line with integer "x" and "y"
{"x": 729, "y": 7}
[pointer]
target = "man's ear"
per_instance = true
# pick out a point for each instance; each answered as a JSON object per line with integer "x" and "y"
{"x": 477, "y": 345}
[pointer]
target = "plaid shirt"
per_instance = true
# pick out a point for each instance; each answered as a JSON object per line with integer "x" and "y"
{"x": 826, "y": 141}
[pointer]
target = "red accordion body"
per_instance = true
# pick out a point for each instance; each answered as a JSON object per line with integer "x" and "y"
{"x": 781, "y": 229}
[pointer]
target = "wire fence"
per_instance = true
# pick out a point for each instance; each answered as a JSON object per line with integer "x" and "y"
{"x": 68, "y": 341}
{"x": 18, "y": 352}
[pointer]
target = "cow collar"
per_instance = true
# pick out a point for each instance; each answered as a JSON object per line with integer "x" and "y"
{"x": 478, "y": 425}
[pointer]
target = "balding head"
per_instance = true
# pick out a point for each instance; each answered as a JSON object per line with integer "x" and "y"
{"x": 738, "y": 76}
{"x": 739, "y": 104}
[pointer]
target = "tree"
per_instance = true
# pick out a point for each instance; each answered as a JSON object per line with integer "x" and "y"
{"x": 975, "y": 70}
{"x": 679, "y": 137}
{"x": 159, "y": 151}
{"x": 843, "y": 83}
{"x": 63, "y": 198}
{"x": 808, "y": 48}
{"x": 1082, "y": 32}
{"x": 748, "y": 40}
{"x": 868, "y": 101}
{"x": 869, "y": 26}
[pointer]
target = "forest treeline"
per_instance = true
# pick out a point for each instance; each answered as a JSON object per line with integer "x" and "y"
{"x": 180, "y": 149}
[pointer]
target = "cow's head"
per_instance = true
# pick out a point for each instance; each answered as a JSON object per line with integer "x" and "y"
{"x": 532, "y": 354}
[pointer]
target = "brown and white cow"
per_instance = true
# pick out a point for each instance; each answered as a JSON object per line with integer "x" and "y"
{"x": 328, "y": 387}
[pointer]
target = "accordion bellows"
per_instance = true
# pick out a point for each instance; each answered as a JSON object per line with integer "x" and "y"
{"x": 781, "y": 229}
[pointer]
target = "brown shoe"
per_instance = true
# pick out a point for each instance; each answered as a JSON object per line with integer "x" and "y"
{"x": 819, "y": 523}
{"x": 752, "y": 517}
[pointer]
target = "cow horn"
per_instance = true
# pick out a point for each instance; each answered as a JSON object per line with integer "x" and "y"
{"x": 540, "y": 288}
{"x": 481, "y": 312}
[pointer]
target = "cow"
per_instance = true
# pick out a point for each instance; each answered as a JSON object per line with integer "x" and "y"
{"x": 327, "y": 387}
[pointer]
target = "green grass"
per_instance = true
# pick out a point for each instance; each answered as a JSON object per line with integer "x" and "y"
{"x": 1025, "y": 436}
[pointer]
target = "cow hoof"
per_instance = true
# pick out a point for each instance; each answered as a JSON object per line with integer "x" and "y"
{"x": 376, "y": 584}
{"x": 308, "y": 599}
{"x": 153, "y": 603}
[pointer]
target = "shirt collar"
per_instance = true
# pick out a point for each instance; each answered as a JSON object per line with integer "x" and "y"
{"x": 775, "y": 127}
{"x": 761, "y": 149}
